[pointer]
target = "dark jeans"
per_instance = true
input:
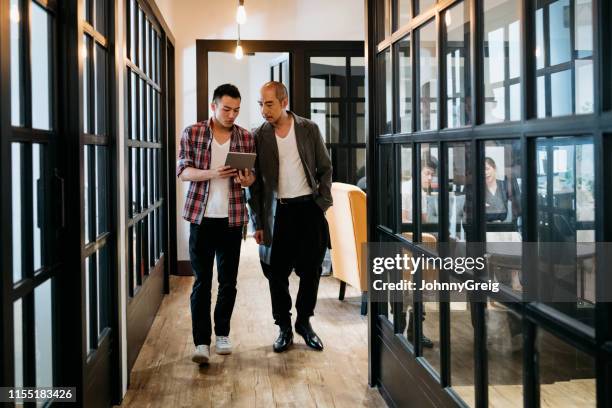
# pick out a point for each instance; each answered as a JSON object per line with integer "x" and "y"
{"x": 213, "y": 237}
{"x": 301, "y": 236}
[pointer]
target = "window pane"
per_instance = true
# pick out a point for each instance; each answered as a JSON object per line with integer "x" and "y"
{"x": 360, "y": 122}
{"x": 566, "y": 213}
{"x": 405, "y": 85}
{"x": 462, "y": 347}
{"x": 101, "y": 190}
{"x": 43, "y": 319}
{"x": 427, "y": 77}
{"x": 142, "y": 112}
{"x": 456, "y": 52}
{"x": 41, "y": 70}
{"x": 86, "y": 183}
{"x": 16, "y": 67}
{"x": 357, "y": 77}
{"x": 140, "y": 39}
{"x": 327, "y": 77}
{"x": 133, "y": 106}
{"x": 504, "y": 345}
{"x": 16, "y": 196}
{"x": 101, "y": 103}
{"x": 100, "y": 23}
{"x": 459, "y": 191}
{"x": 429, "y": 189}
{"x": 424, "y": 5}
{"x": 360, "y": 167}
{"x": 134, "y": 180}
{"x": 38, "y": 204}
{"x": 567, "y": 74}
{"x": 88, "y": 270}
{"x": 406, "y": 192}
{"x": 86, "y": 83}
{"x": 502, "y": 60}
{"x": 403, "y": 12}
{"x": 103, "y": 294}
{"x": 133, "y": 29}
{"x": 386, "y": 100}
{"x": 327, "y": 116}
{"x": 567, "y": 375}
{"x": 18, "y": 341}
{"x": 386, "y": 186}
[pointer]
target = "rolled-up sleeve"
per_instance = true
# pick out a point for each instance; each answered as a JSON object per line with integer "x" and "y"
{"x": 185, "y": 157}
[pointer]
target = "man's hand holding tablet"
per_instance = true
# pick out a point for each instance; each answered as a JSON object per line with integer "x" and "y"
{"x": 244, "y": 162}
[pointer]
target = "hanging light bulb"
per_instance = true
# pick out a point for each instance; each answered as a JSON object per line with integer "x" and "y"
{"x": 14, "y": 14}
{"x": 241, "y": 15}
{"x": 239, "y": 53}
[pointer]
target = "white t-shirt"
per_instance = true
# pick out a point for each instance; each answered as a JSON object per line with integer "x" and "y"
{"x": 218, "y": 188}
{"x": 291, "y": 177}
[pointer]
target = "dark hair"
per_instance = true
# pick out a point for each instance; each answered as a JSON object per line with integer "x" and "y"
{"x": 490, "y": 162}
{"x": 430, "y": 162}
{"x": 225, "y": 89}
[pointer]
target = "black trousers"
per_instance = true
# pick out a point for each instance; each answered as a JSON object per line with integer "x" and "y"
{"x": 301, "y": 236}
{"x": 213, "y": 237}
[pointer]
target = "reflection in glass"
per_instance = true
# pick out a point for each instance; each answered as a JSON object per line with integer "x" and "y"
{"x": 102, "y": 285}
{"x": 43, "y": 330}
{"x": 40, "y": 32}
{"x": 462, "y": 348}
{"x": 427, "y": 77}
{"x": 16, "y": 192}
{"x": 86, "y": 83}
{"x": 327, "y": 77}
{"x": 101, "y": 190}
{"x": 360, "y": 167}
{"x": 406, "y": 190}
{"x": 505, "y": 355}
{"x": 38, "y": 204}
{"x": 565, "y": 74}
{"x": 405, "y": 85}
{"x": 429, "y": 189}
{"x": 459, "y": 191}
{"x": 502, "y": 60}
{"x": 18, "y": 341}
{"x": 386, "y": 101}
{"x": 403, "y": 12}
{"x": 567, "y": 375}
{"x": 16, "y": 47}
{"x": 88, "y": 270}
{"x": 424, "y": 5}
{"x": 456, "y": 52}
{"x": 386, "y": 196}
{"x": 133, "y": 107}
{"x": 86, "y": 183}
{"x": 357, "y": 77}
{"x": 133, "y": 29}
{"x": 327, "y": 116}
{"x": 360, "y": 122}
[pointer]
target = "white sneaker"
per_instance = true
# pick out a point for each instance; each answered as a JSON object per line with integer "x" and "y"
{"x": 201, "y": 355}
{"x": 223, "y": 345}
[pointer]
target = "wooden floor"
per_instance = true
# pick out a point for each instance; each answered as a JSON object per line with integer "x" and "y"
{"x": 255, "y": 376}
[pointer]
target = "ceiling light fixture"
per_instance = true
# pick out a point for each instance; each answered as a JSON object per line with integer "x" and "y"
{"x": 239, "y": 53}
{"x": 241, "y": 15}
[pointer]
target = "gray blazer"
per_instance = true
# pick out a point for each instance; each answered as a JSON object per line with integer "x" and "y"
{"x": 263, "y": 192}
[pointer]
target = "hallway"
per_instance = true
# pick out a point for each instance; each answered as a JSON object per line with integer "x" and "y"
{"x": 253, "y": 375}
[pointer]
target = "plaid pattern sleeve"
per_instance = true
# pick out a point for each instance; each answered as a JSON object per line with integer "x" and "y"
{"x": 195, "y": 152}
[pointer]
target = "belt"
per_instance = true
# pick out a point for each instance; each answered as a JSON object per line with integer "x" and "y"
{"x": 294, "y": 200}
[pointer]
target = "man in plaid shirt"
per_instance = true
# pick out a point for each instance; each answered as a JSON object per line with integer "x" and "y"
{"x": 216, "y": 209}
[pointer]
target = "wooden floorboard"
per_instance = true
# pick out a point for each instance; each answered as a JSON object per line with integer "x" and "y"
{"x": 255, "y": 376}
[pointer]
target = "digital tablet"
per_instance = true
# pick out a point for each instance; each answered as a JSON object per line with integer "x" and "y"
{"x": 240, "y": 161}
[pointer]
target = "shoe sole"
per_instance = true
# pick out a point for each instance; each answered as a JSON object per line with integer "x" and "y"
{"x": 200, "y": 359}
{"x": 223, "y": 352}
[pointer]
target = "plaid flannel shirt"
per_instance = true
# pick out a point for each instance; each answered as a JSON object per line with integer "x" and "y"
{"x": 195, "y": 152}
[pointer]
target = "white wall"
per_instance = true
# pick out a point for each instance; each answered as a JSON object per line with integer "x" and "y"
{"x": 190, "y": 20}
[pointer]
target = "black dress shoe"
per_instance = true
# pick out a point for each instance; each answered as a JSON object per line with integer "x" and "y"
{"x": 425, "y": 341}
{"x": 310, "y": 337}
{"x": 283, "y": 341}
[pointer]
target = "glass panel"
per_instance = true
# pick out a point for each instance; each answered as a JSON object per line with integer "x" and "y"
{"x": 504, "y": 345}
{"x": 87, "y": 7}
{"x": 286, "y": 78}
{"x": 566, "y": 213}
{"x": 357, "y": 77}
{"x": 459, "y": 191}
{"x": 140, "y": 39}
{"x": 133, "y": 29}
{"x": 88, "y": 269}
{"x": 40, "y": 32}
{"x": 456, "y": 52}
{"x": 502, "y": 60}
{"x": 386, "y": 100}
{"x": 275, "y": 73}
{"x": 87, "y": 204}
{"x": 427, "y": 77}
{"x": 403, "y": 12}
{"x": 43, "y": 320}
{"x": 86, "y": 83}
{"x": 18, "y": 341}
{"x": 387, "y": 195}
{"x": 406, "y": 192}
{"x": 462, "y": 347}
{"x": 567, "y": 86}
{"x": 327, "y": 77}
{"x": 503, "y": 185}
{"x": 424, "y": 5}
{"x": 101, "y": 103}
{"x": 405, "y": 85}
{"x": 429, "y": 189}
{"x": 143, "y": 175}
{"x": 133, "y": 106}
{"x": 101, "y": 190}
{"x": 38, "y": 204}
{"x": 103, "y": 294}
{"x": 360, "y": 167}
{"x": 360, "y": 122}
{"x": 16, "y": 197}
{"x": 100, "y": 23}
{"x": 567, "y": 375}
{"x": 147, "y": 112}
{"x": 133, "y": 180}
{"x": 16, "y": 67}
{"x": 142, "y": 111}
{"x": 327, "y": 116}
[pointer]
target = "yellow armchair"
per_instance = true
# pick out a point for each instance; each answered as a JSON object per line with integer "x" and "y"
{"x": 347, "y": 220}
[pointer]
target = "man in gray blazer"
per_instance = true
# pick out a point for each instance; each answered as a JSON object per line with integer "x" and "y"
{"x": 288, "y": 201}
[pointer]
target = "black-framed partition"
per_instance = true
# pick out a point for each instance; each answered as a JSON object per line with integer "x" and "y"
{"x": 490, "y": 122}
